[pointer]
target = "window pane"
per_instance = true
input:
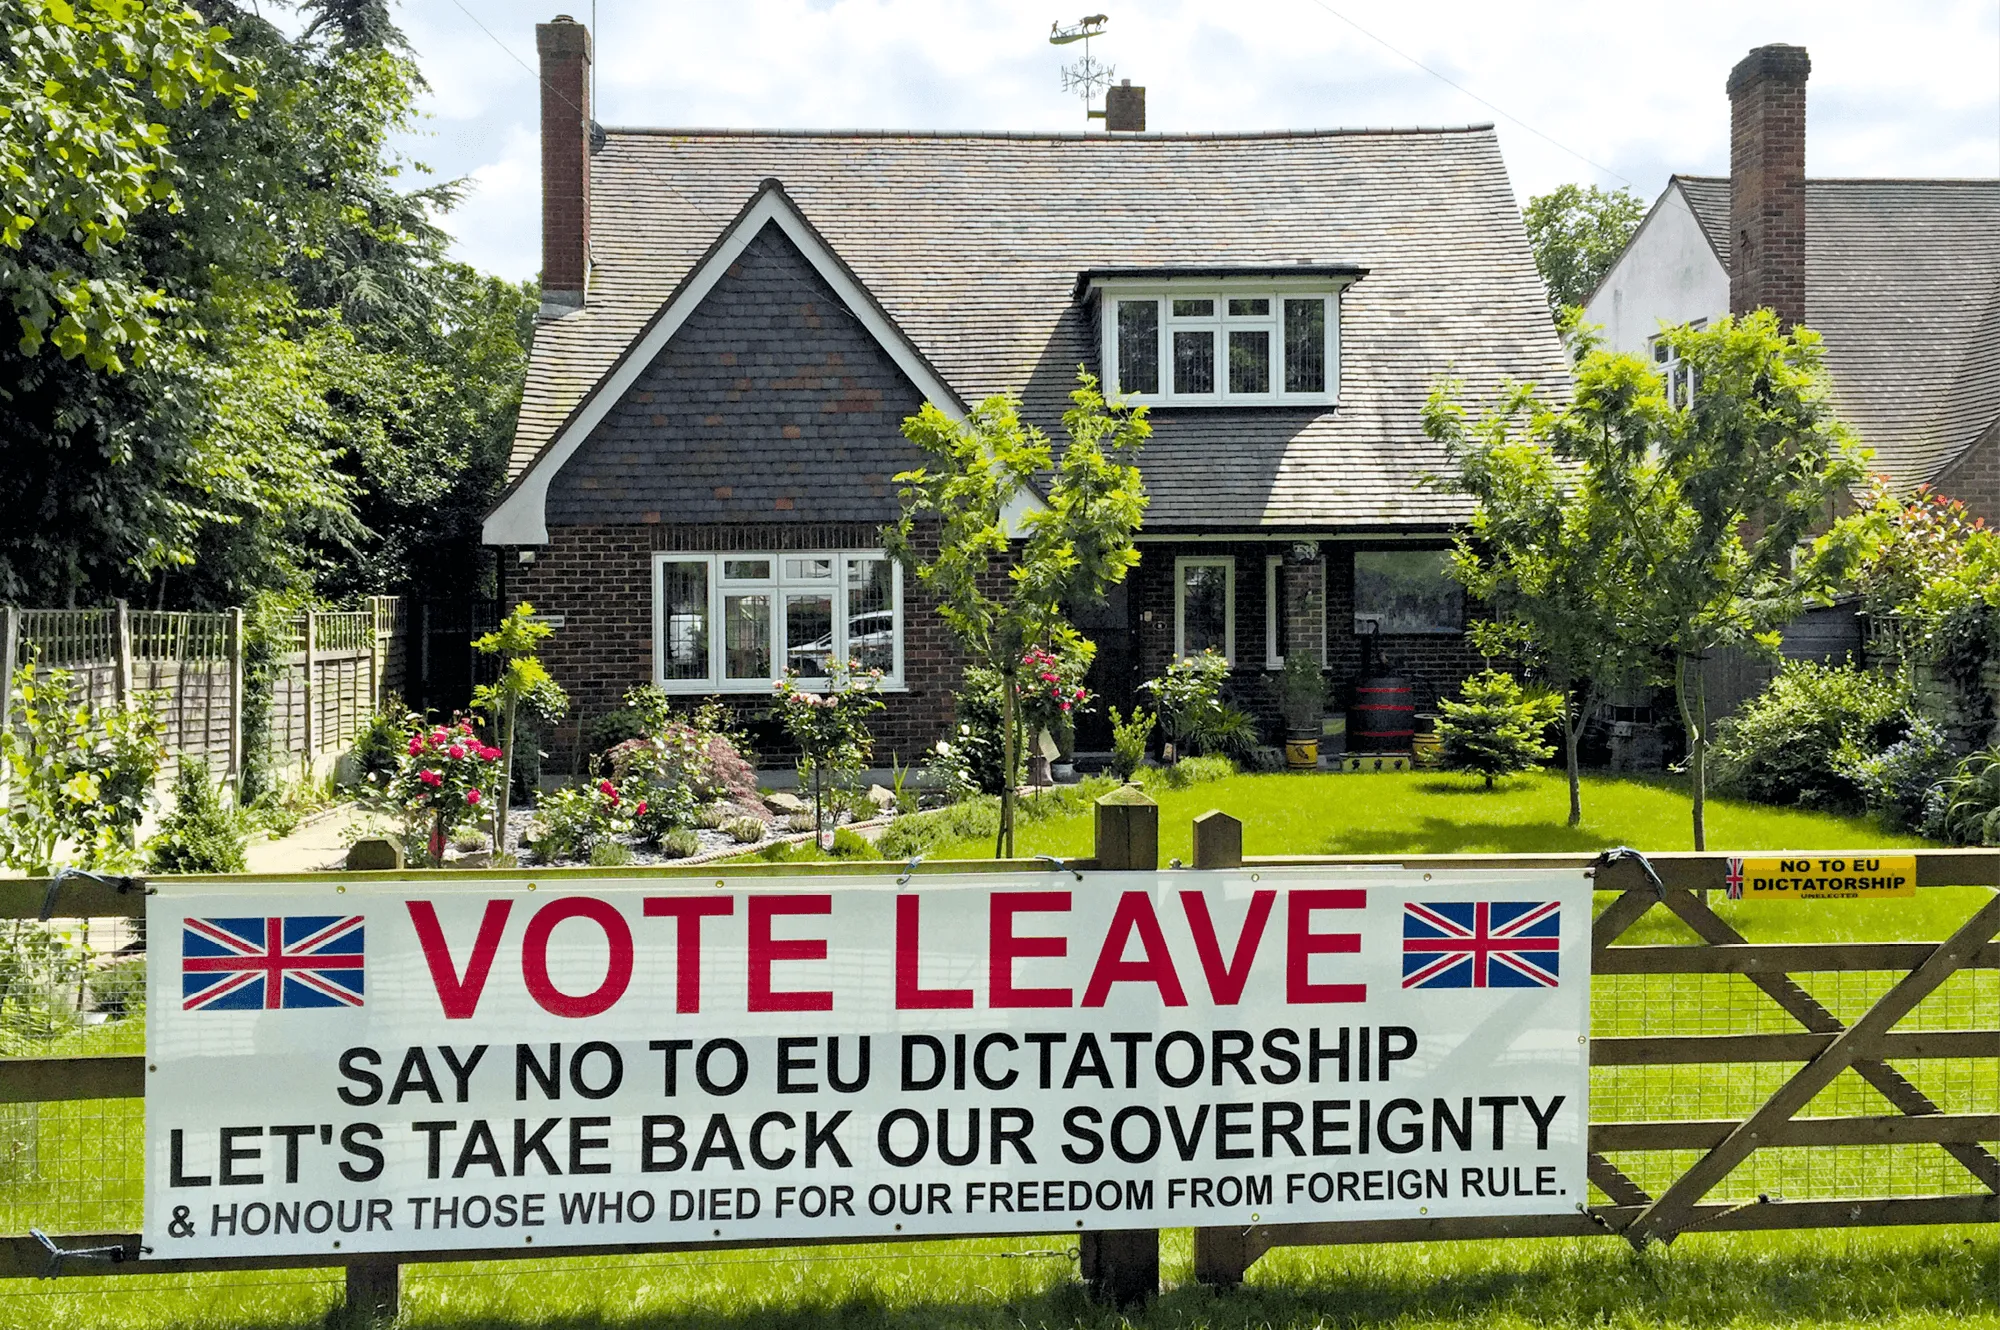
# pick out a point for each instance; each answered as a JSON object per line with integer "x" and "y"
{"x": 1194, "y": 309}
{"x": 871, "y": 617}
{"x": 809, "y": 633}
{"x": 1305, "y": 346}
{"x": 1138, "y": 346}
{"x": 1194, "y": 362}
{"x": 746, "y": 570}
{"x": 814, "y": 568}
{"x": 1257, "y": 307}
{"x": 1249, "y": 361}
{"x": 1407, "y": 591}
{"x": 746, "y": 637}
{"x": 1204, "y": 608}
{"x": 684, "y": 619}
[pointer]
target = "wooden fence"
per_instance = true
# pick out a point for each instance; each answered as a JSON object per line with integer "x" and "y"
{"x": 339, "y": 666}
{"x": 1893, "y": 1046}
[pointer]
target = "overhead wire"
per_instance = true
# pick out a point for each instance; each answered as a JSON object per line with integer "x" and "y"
{"x": 1454, "y": 83}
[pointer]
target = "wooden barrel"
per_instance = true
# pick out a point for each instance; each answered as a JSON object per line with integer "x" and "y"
{"x": 1383, "y": 718}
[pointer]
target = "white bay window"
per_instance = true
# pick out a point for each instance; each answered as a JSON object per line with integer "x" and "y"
{"x": 734, "y": 623}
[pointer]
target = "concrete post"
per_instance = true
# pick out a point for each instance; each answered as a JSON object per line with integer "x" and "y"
{"x": 1122, "y": 1266}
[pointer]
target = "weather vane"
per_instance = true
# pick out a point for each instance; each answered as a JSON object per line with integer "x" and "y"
{"x": 1087, "y": 77}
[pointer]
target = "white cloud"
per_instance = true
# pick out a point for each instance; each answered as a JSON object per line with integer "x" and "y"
{"x": 1911, "y": 89}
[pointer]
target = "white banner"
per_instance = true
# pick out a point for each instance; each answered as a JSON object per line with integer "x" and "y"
{"x": 417, "y": 1065}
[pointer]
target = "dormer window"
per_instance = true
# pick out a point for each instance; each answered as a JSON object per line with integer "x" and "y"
{"x": 1223, "y": 340}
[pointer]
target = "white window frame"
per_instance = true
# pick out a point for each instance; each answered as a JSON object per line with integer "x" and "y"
{"x": 776, "y": 586}
{"x": 1274, "y": 605}
{"x": 1181, "y": 564}
{"x": 1218, "y": 325}
{"x": 1680, "y": 375}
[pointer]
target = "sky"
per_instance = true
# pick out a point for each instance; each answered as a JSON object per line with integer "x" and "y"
{"x": 1608, "y": 93}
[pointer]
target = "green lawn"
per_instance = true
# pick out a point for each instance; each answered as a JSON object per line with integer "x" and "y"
{"x": 1430, "y": 813}
{"x": 1914, "y": 1279}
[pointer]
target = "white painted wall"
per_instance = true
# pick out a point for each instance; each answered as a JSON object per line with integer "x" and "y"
{"x": 1668, "y": 276}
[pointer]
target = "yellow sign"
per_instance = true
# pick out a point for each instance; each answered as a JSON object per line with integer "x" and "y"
{"x": 1823, "y": 877}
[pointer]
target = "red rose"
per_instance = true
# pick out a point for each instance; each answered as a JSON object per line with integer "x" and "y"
{"x": 456, "y": 751}
{"x": 472, "y": 796}
{"x": 640, "y": 811}
{"x": 430, "y": 778}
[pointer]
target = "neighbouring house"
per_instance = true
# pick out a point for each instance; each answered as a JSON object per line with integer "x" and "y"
{"x": 1900, "y": 277}
{"x": 735, "y": 323}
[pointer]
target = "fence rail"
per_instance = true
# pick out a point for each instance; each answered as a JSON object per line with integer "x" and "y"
{"x": 1844, "y": 1084}
{"x": 337, "y": 668}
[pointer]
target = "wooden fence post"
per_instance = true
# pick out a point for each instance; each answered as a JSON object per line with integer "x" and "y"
{"x": 312, "y": 632}
{"x": 375, "y": 1289}
{"x": 121, "y": 664}
{"x": 236, "y": 698}
{"x": 1122, "y": 1266}
{"x": 1221, "y": 1255}
{"x": 10, "y": 647}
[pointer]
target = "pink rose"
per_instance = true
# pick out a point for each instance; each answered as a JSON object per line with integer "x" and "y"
{"x": 456, "y": 751}
{"x": 416, "y": 745}
{"x": 606, "y": 787}
{"x": 472, "y": 796}
{"x": 430, "y": 778}
{"x": 640, "y": 811}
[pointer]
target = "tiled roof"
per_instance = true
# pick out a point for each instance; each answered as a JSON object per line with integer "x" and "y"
{"x": 973, "y": 244}
{"x": 1903, "y": 282}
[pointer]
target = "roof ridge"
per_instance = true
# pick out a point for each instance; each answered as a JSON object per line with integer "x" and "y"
{"x": 1042, "y": 136}
{"x": 1860, "y": 179}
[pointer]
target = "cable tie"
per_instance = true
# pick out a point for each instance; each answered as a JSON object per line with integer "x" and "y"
{"x": 1058, "y": 865}
{"x": 1622, "y": 853}
{"x": 57, "y": 1255}
{"x": 908, "y": 869}
{"x": 119, "y": 884}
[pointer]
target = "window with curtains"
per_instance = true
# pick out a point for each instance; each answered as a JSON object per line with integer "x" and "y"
{"x": 737, "y": 622}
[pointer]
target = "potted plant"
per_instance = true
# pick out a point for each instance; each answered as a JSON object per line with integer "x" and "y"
{"x": 1302, "y": 697}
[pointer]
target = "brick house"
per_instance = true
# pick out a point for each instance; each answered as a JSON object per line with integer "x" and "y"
{"x": 735, "y": 324}
{"x": 1901, "y": 278}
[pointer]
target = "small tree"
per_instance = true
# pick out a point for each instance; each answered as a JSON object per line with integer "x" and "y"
{"x": 1544, "y": 551}
{"x": 830, "y": 726}
{"x": 1496, "y": 729}
{"x": 1003, "y": 587}
{"x": 77, "y": 776}
{"x": 1716, "y": 497}
{"x": 522, "y": 677}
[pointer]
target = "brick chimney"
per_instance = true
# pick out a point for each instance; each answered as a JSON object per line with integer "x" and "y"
{"x": 1125, "y": 109}
{"x": 1767, "y": 183}
{"x": 564, "y": 45}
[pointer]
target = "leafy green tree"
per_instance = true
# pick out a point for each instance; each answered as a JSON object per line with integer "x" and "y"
{"x": 1577, "y": 232}
{"x": 83, "y": 153}
{"x": 1716, "y": 499}
{"x": 1003, "y": 589}
{"x": 1495, "y": 727}
{"x": 1543, "y": 552}
{"x": 323, "y": 401}
{"x": 522, "y": 676}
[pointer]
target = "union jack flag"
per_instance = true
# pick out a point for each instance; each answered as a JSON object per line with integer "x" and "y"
{"x": 1481, "y": 944}
{"x": 1734, "y": 880}
{"x": 271, "y": 963}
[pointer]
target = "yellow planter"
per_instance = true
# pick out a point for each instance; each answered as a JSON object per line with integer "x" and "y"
{"x": 1302, "y": 754}
{"x": 1429, "y": 748}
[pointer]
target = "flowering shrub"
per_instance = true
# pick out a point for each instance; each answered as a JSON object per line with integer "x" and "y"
{"x": 571, "y": 822}
{"x": 830, "y": 727}
{"x": 81, "y": 777}
{"x": 1052, "y": 694}
{"x": 446, "y": 775}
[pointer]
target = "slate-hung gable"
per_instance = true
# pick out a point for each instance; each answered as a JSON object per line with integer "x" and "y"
{"x": 759, "y": 311}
